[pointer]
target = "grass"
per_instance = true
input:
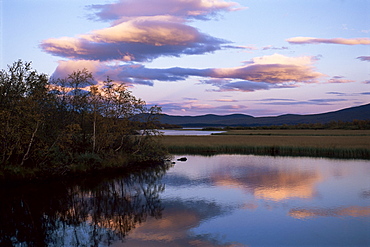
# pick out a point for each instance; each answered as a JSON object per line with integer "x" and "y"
{"x": 297, "y": 132}
{"x": 316, "y": 143}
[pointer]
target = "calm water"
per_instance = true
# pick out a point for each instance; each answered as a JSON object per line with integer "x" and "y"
{"x": 189, "y": 132}
{"x": 223, "y": 200}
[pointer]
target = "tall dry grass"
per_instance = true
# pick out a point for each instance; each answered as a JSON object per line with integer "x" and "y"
{"x": 298, "y": 132}
{"x": 352, "y": 144}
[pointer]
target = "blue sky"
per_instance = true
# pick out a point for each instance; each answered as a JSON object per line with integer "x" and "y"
{"x": 262, "y": 58}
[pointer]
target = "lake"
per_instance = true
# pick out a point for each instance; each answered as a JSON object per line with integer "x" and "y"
{"x": 221, "y": 200}
{"x": 187, "y": 132}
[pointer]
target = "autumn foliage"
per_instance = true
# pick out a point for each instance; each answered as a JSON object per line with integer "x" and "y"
{"x": 60, "y": 125}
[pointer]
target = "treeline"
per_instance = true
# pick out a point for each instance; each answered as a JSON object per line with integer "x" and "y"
{"x": 64, "y": 125}
{"x": 354, "y": 125}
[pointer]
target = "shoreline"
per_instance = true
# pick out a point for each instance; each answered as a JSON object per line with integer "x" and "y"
{"x": 36, "y": 176}
{"x": 273, "y": 151}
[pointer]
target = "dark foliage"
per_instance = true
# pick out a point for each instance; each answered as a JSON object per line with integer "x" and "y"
{"x": 64, "y": 125}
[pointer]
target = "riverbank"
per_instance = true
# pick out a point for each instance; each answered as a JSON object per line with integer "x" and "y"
{"x": 13, "y": 175}
{"x": 314, "y": 143}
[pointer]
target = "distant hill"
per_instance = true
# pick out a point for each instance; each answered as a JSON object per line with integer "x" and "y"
{"x": 210, "y": 120}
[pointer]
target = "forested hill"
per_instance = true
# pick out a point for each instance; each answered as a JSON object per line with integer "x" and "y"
{"x": 210, "y": 120}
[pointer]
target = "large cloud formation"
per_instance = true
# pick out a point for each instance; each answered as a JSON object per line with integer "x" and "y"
{"x": 341, "y": 41}
{"x": 198, "y": 9}
{"x": 142, "y": 30}
{"x": 261, "y": 73}
{"x": 139, "y": 39}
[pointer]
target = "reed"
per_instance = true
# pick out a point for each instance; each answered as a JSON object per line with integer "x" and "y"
{"x": 341, "y": 145}
{"x": 298, "y": 132}
{"x": 356, "y": 153}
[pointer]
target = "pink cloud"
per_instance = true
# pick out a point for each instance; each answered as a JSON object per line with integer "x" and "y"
{"x": 181, "y": 108}
{"x": 261, "y": 73}
{"x": 339, "y": 79}
{"x": 139, "y": 39}
{"x": 157, "y": 31}
{"x": 67, "y": 67}
{"x": 226, "y": 100}
{"x": 200, "y": 9}
{"x": 342, "y": 41}
{"x": 101, "y": 71}
{"x": 273, "y": 69}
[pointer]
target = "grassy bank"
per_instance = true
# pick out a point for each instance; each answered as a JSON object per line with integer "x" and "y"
{"x": 325, "y": 143}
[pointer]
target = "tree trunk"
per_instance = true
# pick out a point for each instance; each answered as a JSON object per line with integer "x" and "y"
{"x": 94, "y": 134}
{"x": 25, "y": 156}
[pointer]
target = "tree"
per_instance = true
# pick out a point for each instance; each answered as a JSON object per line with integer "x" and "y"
{"x": 54, "y": 125}
{"x": 23, "y": 94}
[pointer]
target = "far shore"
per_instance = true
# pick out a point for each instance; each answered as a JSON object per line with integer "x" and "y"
{"x": 315, "y": 143}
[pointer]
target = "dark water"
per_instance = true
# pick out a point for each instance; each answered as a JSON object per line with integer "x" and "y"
{"x": 223, "y": 200}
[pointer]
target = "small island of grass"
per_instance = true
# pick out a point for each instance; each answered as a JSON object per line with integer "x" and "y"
{"x": 334, "y": 143}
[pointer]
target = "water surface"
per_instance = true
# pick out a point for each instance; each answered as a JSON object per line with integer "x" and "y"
{"x": 223, "y": 200}
{"x": 187, "y": 132}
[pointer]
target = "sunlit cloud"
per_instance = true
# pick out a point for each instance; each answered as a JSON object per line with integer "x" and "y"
{"x": 364, "y": 58}
{"x": 101, "y": 71}
{"x": 145, "y": 30}
{"x": 198, "y": 9}
{"x": 339, "y": 79}
{"x": 261, "y": 73}
{"x": 226, "y": 100}
{"x": 274, "y": 69}
{"x": 65, "y": 68}
{"x": 341, "y": 41}
{"x": 157, "y": 31}
{"x": 139, "y": 39}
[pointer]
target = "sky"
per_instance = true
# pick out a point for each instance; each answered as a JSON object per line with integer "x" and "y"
{"x": 195, "y": 57}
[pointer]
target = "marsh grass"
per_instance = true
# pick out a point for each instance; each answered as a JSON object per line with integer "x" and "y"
{"x": 338, "y": 144}
{"x": 274, "y": 150}
{"x": 297, "y": 132}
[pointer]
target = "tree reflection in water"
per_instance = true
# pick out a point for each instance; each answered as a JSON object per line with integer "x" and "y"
{"x": 89, "y": 212}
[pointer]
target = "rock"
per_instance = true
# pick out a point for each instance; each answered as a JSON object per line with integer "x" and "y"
{"x": 182, "y": 159}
